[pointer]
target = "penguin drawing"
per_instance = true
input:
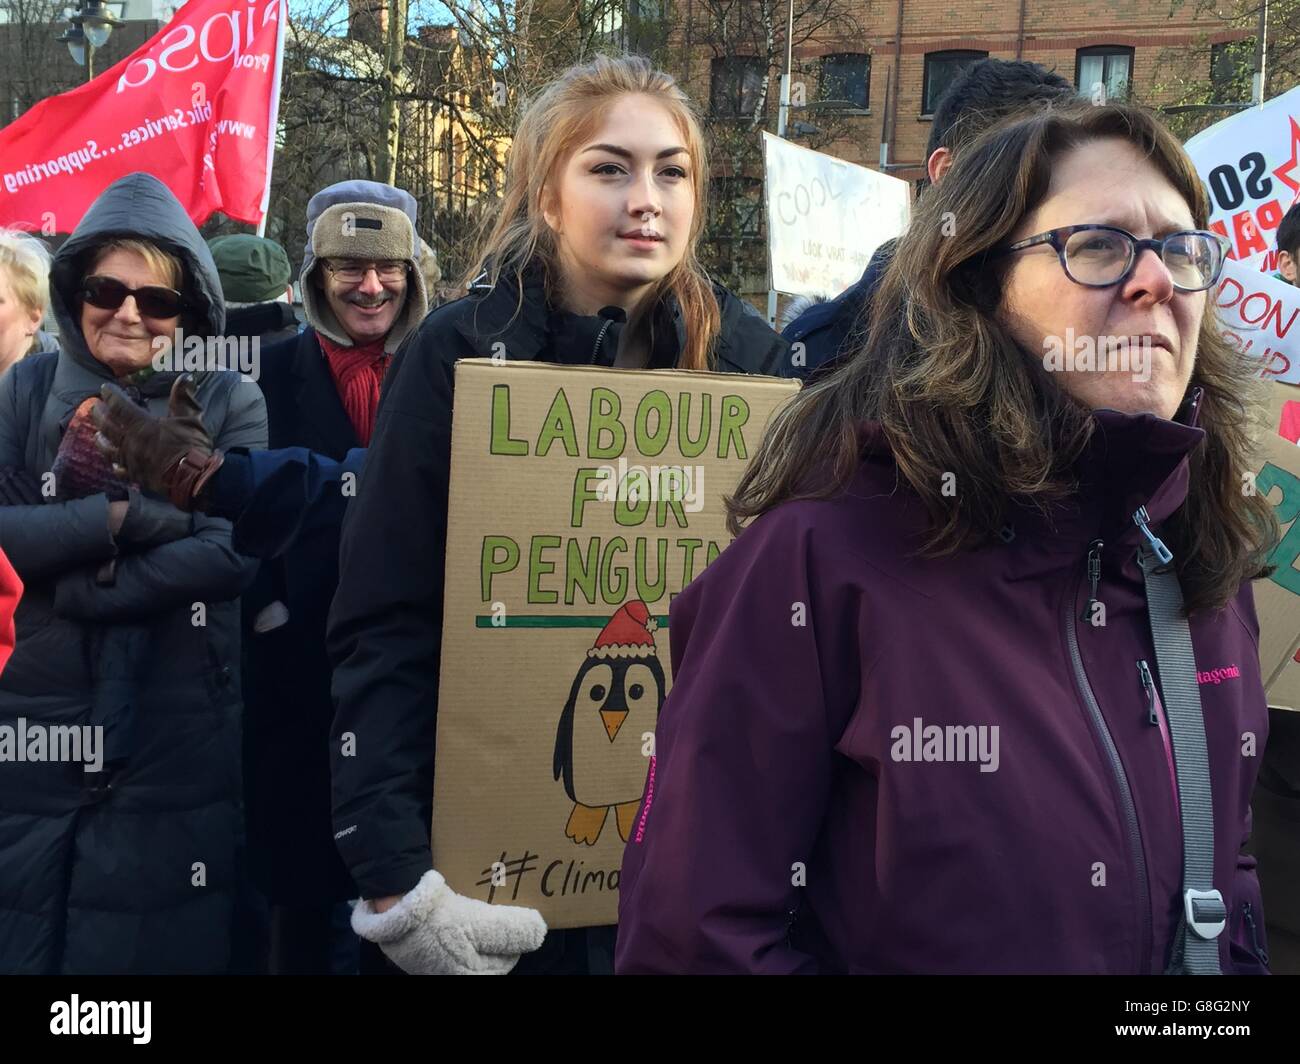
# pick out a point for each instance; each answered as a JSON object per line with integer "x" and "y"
{"x": 614, "y": 701}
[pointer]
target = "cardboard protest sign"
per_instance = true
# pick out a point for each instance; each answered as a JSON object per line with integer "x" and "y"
{"x": 1275, "y": 839}
{"x": 581, "y": 501}
{"x": 1277, "y": 598}
{"x": 1251, "y": 167}
{"x": 825, "y": 217}
{"x": 1259, "y": 315}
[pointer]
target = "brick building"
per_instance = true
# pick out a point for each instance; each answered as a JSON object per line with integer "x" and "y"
{"x": 869, "y": 73}
{"x": 881, "y": 67}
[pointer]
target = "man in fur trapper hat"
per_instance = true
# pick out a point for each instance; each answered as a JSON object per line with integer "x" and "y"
{"x": 362, "y": 292}
{"x": 351, "y": 225}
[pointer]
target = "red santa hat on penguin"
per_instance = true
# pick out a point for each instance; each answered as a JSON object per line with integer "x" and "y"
{"x": 629, "y": 634}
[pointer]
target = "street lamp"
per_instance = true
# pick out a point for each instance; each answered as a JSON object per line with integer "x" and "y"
{"x": 91, "y": 27}
{"x": 76, "y": 41}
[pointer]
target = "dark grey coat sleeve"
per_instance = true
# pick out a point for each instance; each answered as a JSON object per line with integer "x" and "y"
{"x": 44, "y": 540}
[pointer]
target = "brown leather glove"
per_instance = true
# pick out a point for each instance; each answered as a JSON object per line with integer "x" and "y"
{"x": 171, "y": 455}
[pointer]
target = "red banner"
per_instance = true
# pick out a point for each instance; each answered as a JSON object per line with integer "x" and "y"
{"x": 195, "y": 106}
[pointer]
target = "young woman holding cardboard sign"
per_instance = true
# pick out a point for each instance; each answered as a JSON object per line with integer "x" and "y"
{"x": 941, "y": 699}
{"x": 591, "y": 262}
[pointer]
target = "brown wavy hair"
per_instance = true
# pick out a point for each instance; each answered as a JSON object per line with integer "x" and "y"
{"x": 953, "y": 392}
{"x": 554, "y": 124}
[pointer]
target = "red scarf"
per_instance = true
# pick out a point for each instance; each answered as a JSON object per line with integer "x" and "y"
{"x": 358, "y": 372}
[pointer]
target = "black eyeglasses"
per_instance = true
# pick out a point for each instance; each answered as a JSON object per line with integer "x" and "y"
{"x": 1099, "y": 256}
{"x": 351, "y": 271}
{"x": 152, "y": 300}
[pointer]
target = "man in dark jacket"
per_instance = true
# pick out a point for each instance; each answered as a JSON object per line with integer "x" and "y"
{"x": 985, "y": 93}
{"x": 362, "y": 293}
{"x": 131, "y": 869}
{"x": 255, "y": 276}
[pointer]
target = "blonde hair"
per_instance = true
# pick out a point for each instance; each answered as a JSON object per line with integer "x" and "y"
{"x": 26, "y": 261}
{"x": 554, "y": 123}
{"x": 162, "y": 263}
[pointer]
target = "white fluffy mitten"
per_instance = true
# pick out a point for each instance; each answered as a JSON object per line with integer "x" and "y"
{"x": 435, "y": 931}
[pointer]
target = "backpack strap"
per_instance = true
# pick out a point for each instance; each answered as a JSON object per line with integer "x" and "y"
{"x": 1203, "y": 913}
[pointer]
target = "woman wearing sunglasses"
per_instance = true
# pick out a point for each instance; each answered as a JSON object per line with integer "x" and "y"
{"x": 118, "y": 847}
{"x": 978, "y": 689}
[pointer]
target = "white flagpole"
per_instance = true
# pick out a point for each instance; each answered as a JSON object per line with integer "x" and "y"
{"x": 282, "y": 18}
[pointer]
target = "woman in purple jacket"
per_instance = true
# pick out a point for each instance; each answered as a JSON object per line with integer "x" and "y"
{"x": 941, "y": 708}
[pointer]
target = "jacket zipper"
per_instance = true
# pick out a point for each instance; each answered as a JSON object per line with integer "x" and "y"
{"x": 1162, "y": 553}
{"x": 1247, "y": 911}
{"x": 1149, "y": 686}
{"x": 600, "y": 336}
{"x": 1156, "y": 716}
{"x": 1117, "y": 769}
{"x": 1094, "y": 578}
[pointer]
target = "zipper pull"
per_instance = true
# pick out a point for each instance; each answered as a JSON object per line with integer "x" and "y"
{"x": 1248, "y": 912}
{"x": 1162, "y": 553}
{"x": 1149, "y": 686}
{"x": 1094, "y": 578}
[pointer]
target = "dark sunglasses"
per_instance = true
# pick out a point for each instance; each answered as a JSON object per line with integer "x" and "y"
{"x": 152, "y": 300}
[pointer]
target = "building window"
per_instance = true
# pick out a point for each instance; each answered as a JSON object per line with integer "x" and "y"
{"x": 846, "y": 79}
{"x": 736, "y": 83}
{"x": 941, "y": 70}
{"x": 1110, "y": 67}
{"x": 1231, "y": 66}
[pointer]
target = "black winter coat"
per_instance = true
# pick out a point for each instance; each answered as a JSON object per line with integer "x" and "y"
{"x": 834, "y": 331}
{"x": 385, "y": 626}
{"x": 132, "y": 869}
{"x": 287, "y": 672}
{"x": 271, "y": 323}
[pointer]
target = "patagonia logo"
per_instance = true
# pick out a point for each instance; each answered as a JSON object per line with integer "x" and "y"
{"x": 649, "y": 798}
{"x": 368, "y": 223}
{"x": 1217, "y": 676}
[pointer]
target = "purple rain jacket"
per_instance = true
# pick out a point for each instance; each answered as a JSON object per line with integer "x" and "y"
{"x": 795, "y": 817}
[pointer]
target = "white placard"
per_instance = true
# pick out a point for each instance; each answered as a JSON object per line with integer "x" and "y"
{"x": 1262, "y": 317}
{"x": 1250, "y": 164}
{"x": 825, "y": 217}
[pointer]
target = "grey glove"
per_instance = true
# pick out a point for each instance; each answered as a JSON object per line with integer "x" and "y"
{"x": 435, "y": 931}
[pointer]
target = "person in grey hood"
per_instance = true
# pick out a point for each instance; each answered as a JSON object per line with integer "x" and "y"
{"x": 120, "y": 824}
